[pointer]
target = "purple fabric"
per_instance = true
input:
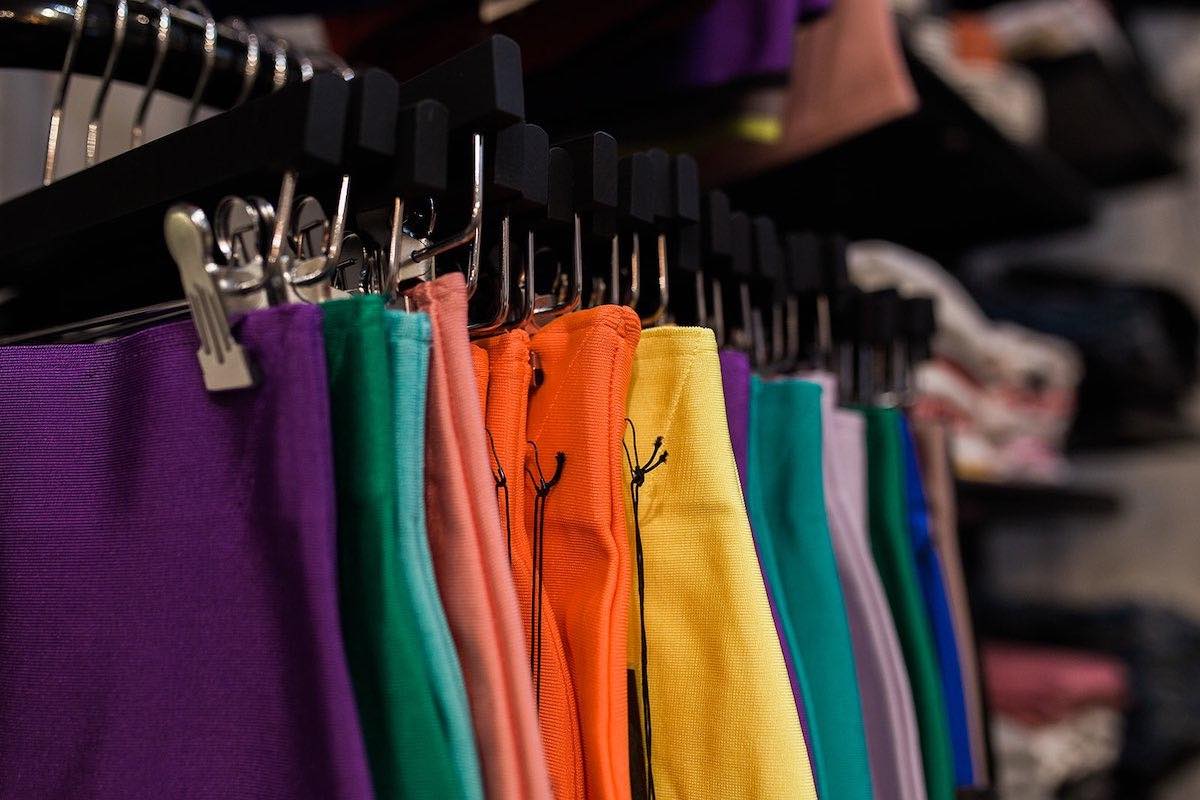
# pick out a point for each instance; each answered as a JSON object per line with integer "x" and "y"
{"x": 737, "y": 39}
{"x": 735, "y": 381}
{"x": 167, "y": 573}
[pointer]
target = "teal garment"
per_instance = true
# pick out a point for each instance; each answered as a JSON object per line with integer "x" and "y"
{"x": 786, "y": 499}
{"x": 409, "y": 338}
{"x": 407, "y": 746}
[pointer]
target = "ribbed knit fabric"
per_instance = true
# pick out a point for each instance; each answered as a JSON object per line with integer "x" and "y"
{"x": 406, "y": 739}
{"x": 735, "y": 381}
{"x": 721, "y": 713}
{"x": 893, "y": 740}
{"x": 510, "y": 381}
{"x": 891, "y": 546}
{"x": 469, "y": 558}
{"x": 579, "y": 410}
{"x": 933, "y": 587}
{"x": 169, "y": 622}
{"x": 480, "y": 368}
{"x": 933, "y": 449}
{"x": 788, "y": 508}
{"x": 408, "y": 352}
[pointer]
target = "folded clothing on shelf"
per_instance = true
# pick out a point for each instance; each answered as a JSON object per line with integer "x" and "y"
{"x": 1008, "y": 392}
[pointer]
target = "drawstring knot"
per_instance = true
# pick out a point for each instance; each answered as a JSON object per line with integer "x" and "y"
{"x": 541, "y": 488}
{"x": 637, "y": 478}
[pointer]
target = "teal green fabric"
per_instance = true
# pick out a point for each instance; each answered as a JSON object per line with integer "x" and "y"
{"x": 887, "y": 490}
{"x": 786, "y": 499}
{"x": 407, "y": 746}
{"x": 409, "y": 337}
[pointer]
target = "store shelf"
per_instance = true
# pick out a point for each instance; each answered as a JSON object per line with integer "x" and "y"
{"x": 1138, "y": 140}
{"x": 940, "y": 180}
{"x": 983, "y": 502}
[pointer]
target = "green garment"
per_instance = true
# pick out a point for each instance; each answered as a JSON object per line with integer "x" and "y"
{"x": 892, "y": 547}
{"x": 409, "y": 337}
{"x": 787, "y": 509}
{"x": 406, "y": 743}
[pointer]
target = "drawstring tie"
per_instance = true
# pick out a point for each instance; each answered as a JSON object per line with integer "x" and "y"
{"x": 502, "y": 486}
{"x": 541, "y": 488}
{"x": 638, "y": 472}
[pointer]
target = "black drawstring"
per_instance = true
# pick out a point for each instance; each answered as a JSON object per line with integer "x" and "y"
{"x": 502, "y": 485}
{"x": 638, "y": 474}
{"x": 541, "y": 488}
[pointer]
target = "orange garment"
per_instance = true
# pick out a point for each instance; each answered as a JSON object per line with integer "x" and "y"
{"x": 509, "y": 383}
{"x": 579, "y": 410}
{"x": 479, "y": 364}
{"x": 463, "y": 525}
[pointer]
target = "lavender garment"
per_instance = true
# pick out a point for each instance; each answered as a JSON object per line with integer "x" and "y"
{"x": 890, "y": 722}
{"x": 735, "y": 381}
{"x": 169, "y": 623}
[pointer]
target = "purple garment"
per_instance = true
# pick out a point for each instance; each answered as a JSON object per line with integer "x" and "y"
{"x": 735, "y": 381}
{"x": 738, "y": 39}
{"x": 167, "y": 573}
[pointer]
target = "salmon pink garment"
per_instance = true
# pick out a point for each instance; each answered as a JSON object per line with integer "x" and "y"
{"x": 579, "y": 410}
{"x": 469, "y": 559}
{"x": 510, "y": 380}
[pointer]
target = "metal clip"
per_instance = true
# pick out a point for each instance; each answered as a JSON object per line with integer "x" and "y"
{"x": 222, "y": 360}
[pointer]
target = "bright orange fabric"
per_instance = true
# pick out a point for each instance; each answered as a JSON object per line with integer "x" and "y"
{"x": 479, "y": 364}
{"x": 509, "y": 383}
{"x": 469, "y": 560}
{"x": 579, "y": 410}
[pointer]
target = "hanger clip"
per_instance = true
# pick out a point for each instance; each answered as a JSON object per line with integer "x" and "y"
{"x": 224, "y": 363}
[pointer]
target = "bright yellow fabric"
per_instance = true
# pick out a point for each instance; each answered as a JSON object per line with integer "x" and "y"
{"x": 724, "y": 724}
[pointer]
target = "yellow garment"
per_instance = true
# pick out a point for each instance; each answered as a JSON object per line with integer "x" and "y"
{"x": 724, "y": 724}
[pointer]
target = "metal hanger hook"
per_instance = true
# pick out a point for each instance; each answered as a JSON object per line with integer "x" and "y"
{"x": 210, "y": 54}
{"x": 251, "y": 64}
{"x": 60, "y": 95}
{"x": 120, "y": 23}
{"x": 279, "y": 79}
{"x": 162, "y": 39}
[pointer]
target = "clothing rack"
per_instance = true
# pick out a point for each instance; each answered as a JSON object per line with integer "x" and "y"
{"x": 34, "y": 35}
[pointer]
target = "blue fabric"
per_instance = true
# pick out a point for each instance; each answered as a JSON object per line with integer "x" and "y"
{"x": 933, "y": 587}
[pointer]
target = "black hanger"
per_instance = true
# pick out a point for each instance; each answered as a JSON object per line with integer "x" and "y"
{"x": 918, "y": 324}
{"x": 878, "y": 326}
{"x": 557, "y": 290}
{"x": 91, "y": 244}
{"x": 681, "y": 226}
{"x": 636, "y": 205}
{"x": 594, "y": 199}
{"x": 483, "y": 91}
{"x": 803, "y": 265}
{"x": 716, "y": 253}
{"x": 743, "y": 334}
{"x": 519, "y": 184}
{"x": 768, "y": 290}
{"x": 398, "y": 156}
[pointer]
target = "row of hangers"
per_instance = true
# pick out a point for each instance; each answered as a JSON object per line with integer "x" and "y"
{"x": 436, "y": 173}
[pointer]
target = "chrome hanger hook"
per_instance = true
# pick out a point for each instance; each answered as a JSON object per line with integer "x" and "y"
{"x": 162, "y": 39}
{"x": 120, "y": 23}
{"x": 210, "y": 55}
{"x": 60, "y": 95}
{"x": 279, "y": 79}
{"x": 251, "y": 64}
